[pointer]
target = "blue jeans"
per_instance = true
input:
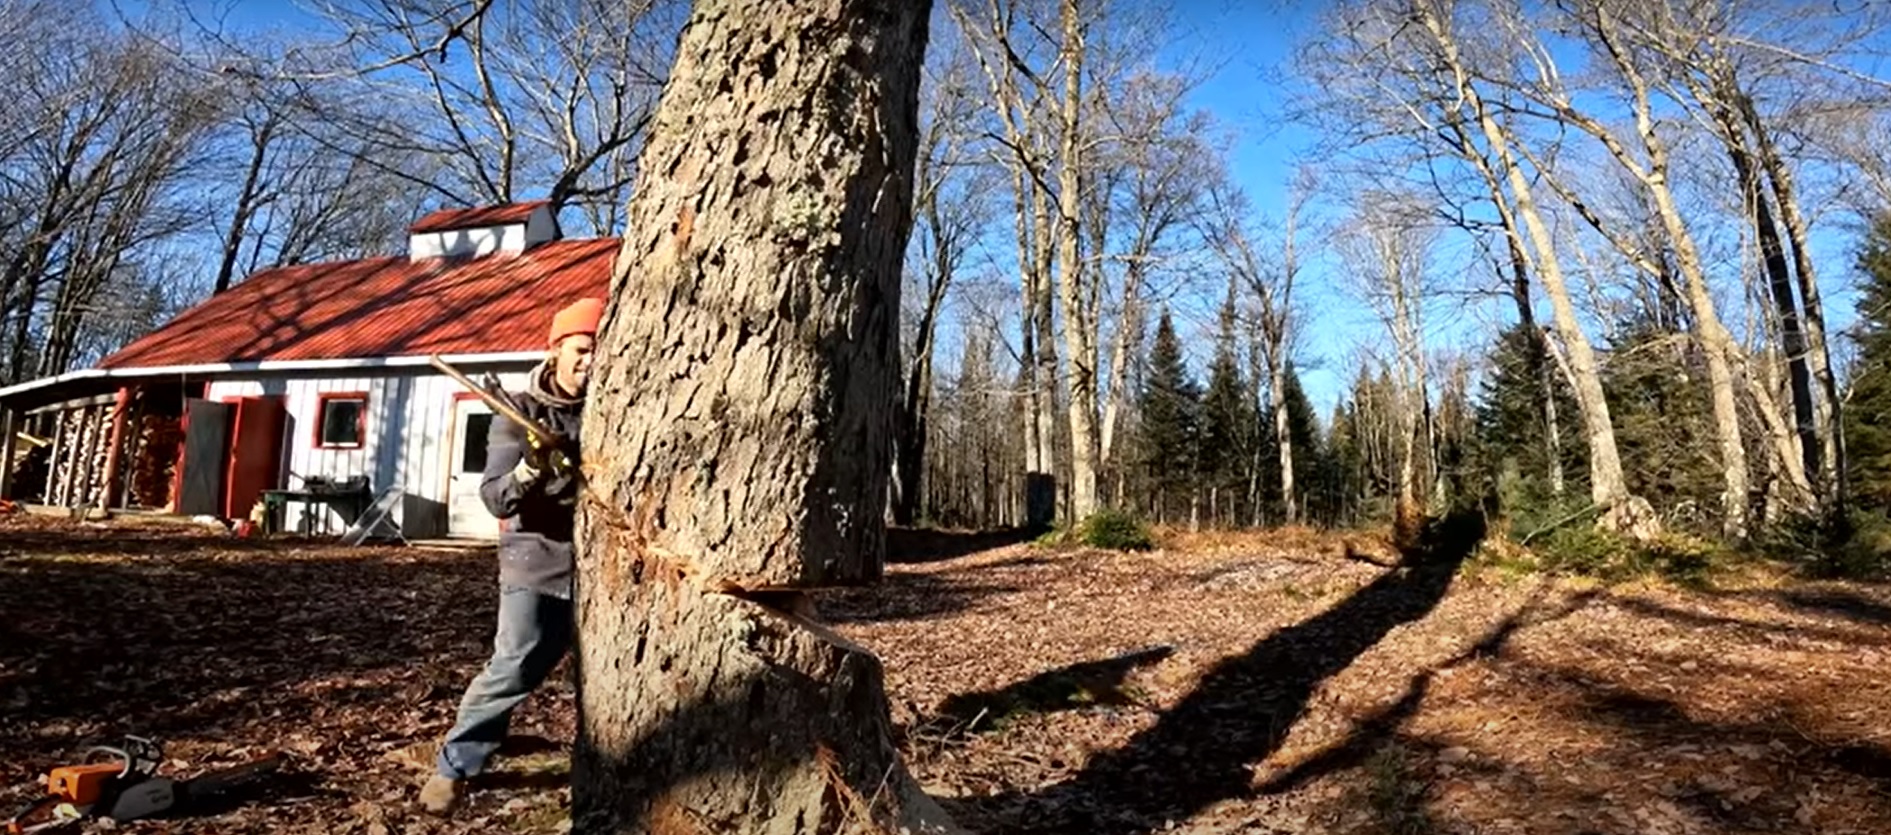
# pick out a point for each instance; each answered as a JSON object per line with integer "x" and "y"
{"x": 534, "y": 632}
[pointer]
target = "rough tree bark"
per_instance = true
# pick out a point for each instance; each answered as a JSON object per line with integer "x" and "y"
{"x": 736, "y": 438}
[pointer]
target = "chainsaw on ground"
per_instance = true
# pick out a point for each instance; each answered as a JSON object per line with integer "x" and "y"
{"x": 126, "y": 787}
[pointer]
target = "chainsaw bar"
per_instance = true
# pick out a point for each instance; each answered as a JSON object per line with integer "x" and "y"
{"x": 210, "y": 784}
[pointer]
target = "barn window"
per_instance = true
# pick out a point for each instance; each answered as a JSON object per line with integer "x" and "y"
{"x": 342, "y": 420}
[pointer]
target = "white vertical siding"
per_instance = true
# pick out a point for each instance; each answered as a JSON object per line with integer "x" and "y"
{"x": 408, "y": 443}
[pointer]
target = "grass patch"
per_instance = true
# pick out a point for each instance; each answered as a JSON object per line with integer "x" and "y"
{"x": 1393, "y": 795}
{"x": 1584, "y": 550}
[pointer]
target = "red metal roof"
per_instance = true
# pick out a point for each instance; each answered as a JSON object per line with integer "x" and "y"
{"x": 504, "y": 213}
{"x": 383, "y": 307}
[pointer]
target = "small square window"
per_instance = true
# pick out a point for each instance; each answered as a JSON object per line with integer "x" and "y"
{"x": 343, "y": 421}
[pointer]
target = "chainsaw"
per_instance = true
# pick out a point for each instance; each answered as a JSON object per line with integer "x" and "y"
{"x": 125, "y": 787}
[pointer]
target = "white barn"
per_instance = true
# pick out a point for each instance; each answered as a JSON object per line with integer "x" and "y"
{"x": 312, "y": 375}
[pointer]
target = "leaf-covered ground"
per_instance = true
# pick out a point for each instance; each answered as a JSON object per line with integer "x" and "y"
{"x": 1260, "y": 683}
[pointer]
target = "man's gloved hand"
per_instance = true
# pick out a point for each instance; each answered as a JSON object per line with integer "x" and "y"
{"x": 541, "y": 457}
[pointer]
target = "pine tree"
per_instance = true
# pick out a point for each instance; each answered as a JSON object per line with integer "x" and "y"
{"x": 1169, "y": 430}
{"x": 1334, "y": 500}
{"x": 1303, "y": 430}
{"x": 1868, "y": 412}
{"x": 1510, "y": 446}
{"x": 1229, "y": 423}
{"x": 1657, "y": 394}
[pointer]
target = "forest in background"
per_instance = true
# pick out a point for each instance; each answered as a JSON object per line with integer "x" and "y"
{"x": 1644, "y": 198}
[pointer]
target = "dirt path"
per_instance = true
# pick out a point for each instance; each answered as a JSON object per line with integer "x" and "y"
{"x": 1260, "y": 684}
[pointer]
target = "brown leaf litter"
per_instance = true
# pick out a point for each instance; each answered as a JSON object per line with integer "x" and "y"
{"x": 1239, "y": 683}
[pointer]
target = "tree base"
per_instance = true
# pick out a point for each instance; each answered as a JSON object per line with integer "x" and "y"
{"x": 722, "y": 714}
{"x": 1634, "y": 518}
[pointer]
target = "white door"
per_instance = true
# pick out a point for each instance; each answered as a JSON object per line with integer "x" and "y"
{"x": 466, "y": 514}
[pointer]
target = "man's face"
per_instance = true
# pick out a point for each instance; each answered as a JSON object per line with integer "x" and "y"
{"x": 571, "y": 361}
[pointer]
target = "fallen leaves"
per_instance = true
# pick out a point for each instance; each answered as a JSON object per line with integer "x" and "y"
{"x": 1246, "y": 683}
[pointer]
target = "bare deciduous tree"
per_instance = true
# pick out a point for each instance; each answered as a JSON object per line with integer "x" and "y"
{"x": 950, "y": 207}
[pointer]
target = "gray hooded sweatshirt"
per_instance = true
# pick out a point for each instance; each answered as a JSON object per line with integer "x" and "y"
{"x": 536, "y": 518}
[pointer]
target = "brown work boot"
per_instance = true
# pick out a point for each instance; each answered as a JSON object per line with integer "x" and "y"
{"x": 440, "y": 794}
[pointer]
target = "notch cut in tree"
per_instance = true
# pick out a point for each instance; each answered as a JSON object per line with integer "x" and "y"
{"x": 737, "y": 439}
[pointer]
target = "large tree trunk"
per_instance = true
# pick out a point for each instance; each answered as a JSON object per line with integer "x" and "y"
{"x": 1040, "y": 484}
{"x": 1275, "y": 311}
{"x": 1079, "y": 331}
{"x": 1283, "y": 437}
{"x": 1526, "y": 314}
{"x": 737, "y": 434}
{"x": 1818, "y": 353}
{"x": 1037, "y": 482}
{"x": 1719, "y": 349}
{"x": 1607, "y": 487}
{"x": 1800, "y": 452}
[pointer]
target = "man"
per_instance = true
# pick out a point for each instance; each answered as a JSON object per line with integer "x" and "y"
{"x": 534, "y": 491}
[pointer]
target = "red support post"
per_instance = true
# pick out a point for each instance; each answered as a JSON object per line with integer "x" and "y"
{"x": 108, "y": 497}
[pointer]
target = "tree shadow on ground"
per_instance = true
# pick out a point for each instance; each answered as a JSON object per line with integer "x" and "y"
{"x": 924, "y": 545}
{"x": 1753, "y": 628}
{"x": 1849, "y": 605}
{"x": 1383, "y": 726}
{"x": 1798, "y": 760}
{"x": 1065, "y": 688}
{"x": 1200, "y": 751}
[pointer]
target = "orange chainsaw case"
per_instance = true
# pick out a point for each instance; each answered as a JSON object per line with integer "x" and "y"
{"x": 82, "y": 784}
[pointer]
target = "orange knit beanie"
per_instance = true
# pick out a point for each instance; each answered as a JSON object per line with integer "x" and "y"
{"x": 581, "y": 317}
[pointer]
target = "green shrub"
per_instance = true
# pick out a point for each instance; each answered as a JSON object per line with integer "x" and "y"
{"x": 1587, "y": 550}
{"x": 1857, "y": 547}
{"x": 1114, "y": 530}
{"x": 1679, "y": 558}
{"x": 1581, "y": 549}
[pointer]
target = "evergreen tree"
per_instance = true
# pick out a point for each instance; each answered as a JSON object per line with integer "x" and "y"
{"x": 1868, "y": 411}
{"x": 1335, "y": 500}
{"x": 1510, "y": 446}
{"x": 1229, "y": 423}
{"x": 1658, "y": 397}
{"x": 1303, "y": 430}
{"x": 1169, "y": 430}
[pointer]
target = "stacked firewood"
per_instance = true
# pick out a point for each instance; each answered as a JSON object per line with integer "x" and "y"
{"x": 158, "y": 440}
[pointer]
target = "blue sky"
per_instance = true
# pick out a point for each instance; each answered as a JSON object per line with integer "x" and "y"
{"x": 1246, "y": 45}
